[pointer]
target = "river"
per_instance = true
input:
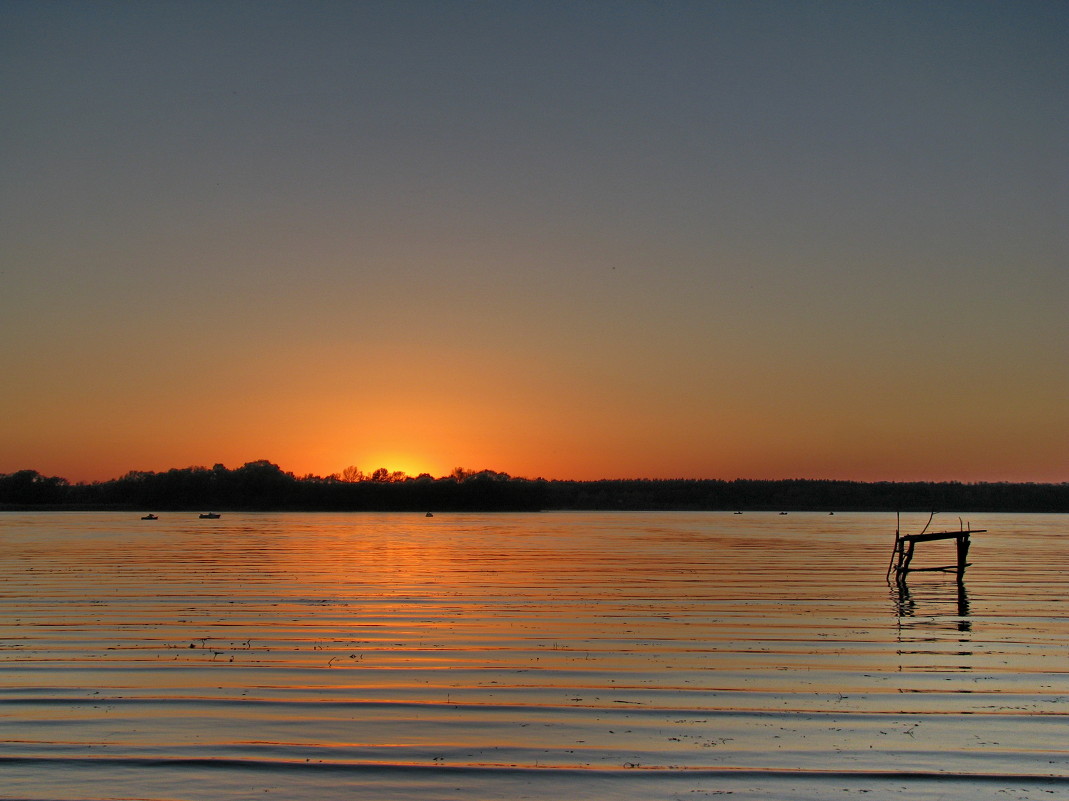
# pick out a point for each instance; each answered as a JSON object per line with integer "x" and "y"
{"x": 576, "y": 655}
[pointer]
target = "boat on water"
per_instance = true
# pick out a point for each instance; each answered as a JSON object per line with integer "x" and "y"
{"x": 210, "y": 516}
{"x": 150, "y": 516}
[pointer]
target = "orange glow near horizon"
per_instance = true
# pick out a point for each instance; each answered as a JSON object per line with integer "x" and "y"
{"x": 576, "y": 433}
{"x": 579, "y": 432}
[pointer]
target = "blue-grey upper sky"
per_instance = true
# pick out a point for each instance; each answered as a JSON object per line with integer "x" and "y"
{"x": 568, "y": 239}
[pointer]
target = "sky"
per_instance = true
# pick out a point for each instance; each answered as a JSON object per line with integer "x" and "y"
{"x": 571, "y": 240}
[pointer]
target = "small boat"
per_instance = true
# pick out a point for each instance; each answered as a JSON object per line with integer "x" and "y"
{"x": 150, "y": 516}
{"x": 429, "y": 514}
{"x": 210, "y": 516}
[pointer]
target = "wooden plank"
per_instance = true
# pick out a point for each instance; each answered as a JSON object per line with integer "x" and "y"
{"x": 941, "y": 535}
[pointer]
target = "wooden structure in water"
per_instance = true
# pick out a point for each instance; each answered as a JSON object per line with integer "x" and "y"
{"x": 906, "y": 544}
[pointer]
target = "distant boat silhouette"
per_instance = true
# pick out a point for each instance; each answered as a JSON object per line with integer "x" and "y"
{"x": 210, "y": 516}
{"x": 150, "y": 516}
{"x": 738, "y": 513}
{"x": 783, "y": 513}
{"x": 429, "y": 514}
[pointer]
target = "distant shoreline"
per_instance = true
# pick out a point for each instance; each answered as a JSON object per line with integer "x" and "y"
{"x": 262, "y": 486}
{"x": 118, "y": 509}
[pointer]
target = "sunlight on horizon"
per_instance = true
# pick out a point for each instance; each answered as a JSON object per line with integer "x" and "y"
{"x": 394, "y": 464}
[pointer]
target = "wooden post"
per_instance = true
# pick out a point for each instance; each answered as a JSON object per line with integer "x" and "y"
{"x": 907, "y": 557}
{"x": 896, "y": 554}
{"x": 963, "y": 554}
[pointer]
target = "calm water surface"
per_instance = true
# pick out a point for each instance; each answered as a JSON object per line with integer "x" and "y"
{"x": 590, "y": 656}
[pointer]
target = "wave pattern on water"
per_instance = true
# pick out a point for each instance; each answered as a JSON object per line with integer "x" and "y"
{"x": 593, "y": 655}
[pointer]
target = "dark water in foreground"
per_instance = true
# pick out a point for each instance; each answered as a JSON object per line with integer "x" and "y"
{"x": 581, "y": 656}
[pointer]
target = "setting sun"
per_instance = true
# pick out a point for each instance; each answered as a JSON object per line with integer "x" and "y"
{"x": 394, "y": 462}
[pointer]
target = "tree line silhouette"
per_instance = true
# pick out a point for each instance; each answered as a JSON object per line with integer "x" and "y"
{"x": 264, "y": 486}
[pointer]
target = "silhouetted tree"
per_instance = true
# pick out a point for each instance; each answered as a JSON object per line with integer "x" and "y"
{"x": 30, "y": 487}
{"x": 263, "y": 485}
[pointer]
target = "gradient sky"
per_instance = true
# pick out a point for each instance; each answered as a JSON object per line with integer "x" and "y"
{"x": 572, "y": 240}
